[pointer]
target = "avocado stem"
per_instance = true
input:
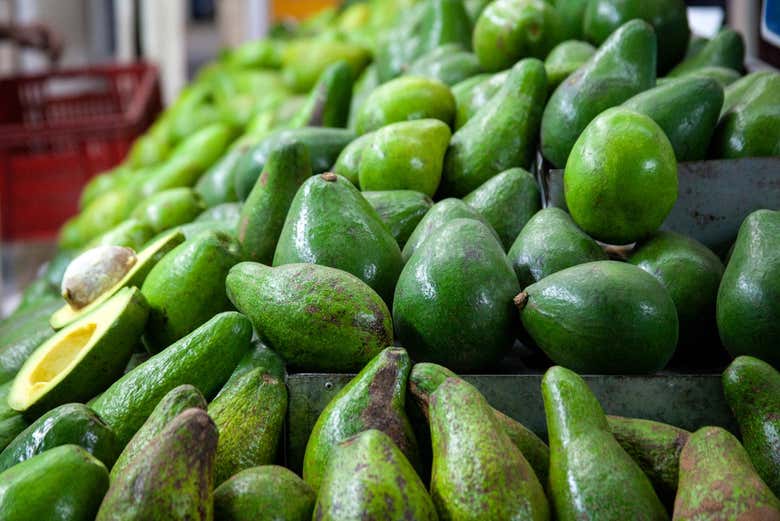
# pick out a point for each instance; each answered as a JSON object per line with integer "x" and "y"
{"x": 520, "y": 300}
{"x": 328, "y": 176}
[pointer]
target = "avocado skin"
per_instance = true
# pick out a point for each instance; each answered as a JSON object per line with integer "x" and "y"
{"x": 187, "y": 287}
{"x": 622, "y": 67}
{"x": 400, "y": 210}
{"x": 259, "y": 357}
{"x": 264, "y": 212}
{"x": 374, "y": 399}
{"x": 550, "y": 241}
{"x": 717, "y": 478}
{"x": 348, "y": 163}
{"x": 741, "y": 90}
{"x": 172, "y": 479}
{"x": 723, "y": 75}
{"x": 265, "y": 493}
{"x": 328, "y": 101}
{"x": 513, "y": 116}
{"x": 473, "y": 93}
{"x": 176, "y": 401}
{"x": 331, "y": 224}
{"x": 507, "y": 201}
{"x": 224, "y": 212}
{"x": 564, "y": 59}
{"x": 28, "y": 329}
{"x": 132, "y": 233}
{"x": 361, "y": 90}
{"x": 602, "y": 317}
{"x": 217, "y": 184}
{"x": 65, "y": 483}
{"x": 11, "y": 422}
{"x": 591, "y": 476}
{"x": 726, "y": 49}
{"x": 306, "y": 313}
{"x": 368, "y": 477}
{"x": 169, "y": 208}
{"x": 204, "y": 358}
{"x": 72, "y": 423}
{"x": 687, "y": 110}
{"x": 460, "y": 273}
{"x": 450, "y": 63}
{"x": 748, "y": 302}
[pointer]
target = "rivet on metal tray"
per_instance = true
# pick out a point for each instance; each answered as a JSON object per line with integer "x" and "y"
{"x": 328, "y": 386}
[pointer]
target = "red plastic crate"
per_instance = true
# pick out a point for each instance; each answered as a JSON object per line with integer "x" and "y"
{"x": 60, "y": 128}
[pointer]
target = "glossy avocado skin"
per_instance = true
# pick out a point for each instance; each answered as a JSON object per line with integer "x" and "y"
{"x": 364, "y": 86}
{"x": 473, "y": 93}
{"x": 711, "y": 458}
{"x": 328, "y": 101}
{"x": 169, "y": 208}
{"x": 11, "y": 422}
{"x": 400, "y": 210}
{"x": 331, "y": 224}
{"x": 460, "y": 273}
{"x": 501, "y": 135}
{"x": 368, "y": 477}
{"x": 348, "y": 163}
{"x": 741, "y": 89}
{"x": 726, "y": 49}
{"x": 30, "y": 329}
{"x": 623, "y": 66}
{"x": 591, "y": 476}
{"x": 748, "y": 301}
{"x": 132, "y": 233}
{"x": 601, "y": 317}
{"x": 564, "y": 59}
{"x": 305, "y": 313}
{"x": 449, "y": 64}
{"x": 752, "y": 390}
{"x": 723, "y": 75}
{"x": 268, "y": 489}
{"x": 507, "y": 201}
{"x": 687, "y": 110}
{"x": 549, "y": 242}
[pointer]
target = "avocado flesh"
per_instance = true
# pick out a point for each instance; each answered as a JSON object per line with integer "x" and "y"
{"x": 145, "y": 261}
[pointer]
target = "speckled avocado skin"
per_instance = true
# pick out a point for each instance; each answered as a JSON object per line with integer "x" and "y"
{"x": 400, "y": 210}
{"x": 477, "y": 472}
{"x": 591, "y": 476}
{"x": 374, "y": 399}
{"x": 717, "y": 481}
{"x": 368, "y": 477}
{"x": 752, "y": 390}
{"x": 459, "y": 275}
{"x": 317, "y": 318}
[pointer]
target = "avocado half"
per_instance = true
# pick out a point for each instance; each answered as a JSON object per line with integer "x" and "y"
{"x": 145, "y": 261}
{"x": 82, "y": 359}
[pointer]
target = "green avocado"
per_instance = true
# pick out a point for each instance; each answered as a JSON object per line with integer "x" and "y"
{"x": 305, "y": 59}
{"x": 348, "y": 163}
{"x": 204, "y": 358}
{"x": 82, "y": 359}
{"x": 449, "y": 64}
{"x": 11, "y": 422}
{"x": 602, "y": 317}
{"x": 169, "y": 208}
{"x": 473, "y": 93}
{"x": 748, "y": 301}
{"x": 622, "y": 67}
{"x": 361, "y": 90}
{"x": 400, "y": 210}
{"x": 102, "y": 214}
{"x": 223, "y": 212}
{"x": 331, "y": 224}
{"x": 217, "y": 184}
{"x": 259, "y": 357}
{"x": 564, "y": 59}
{"x": 317, "y": 318}
{"x": 742, "y": 89}
{"x": 726, "y": 49}
{"x": 460, "y": 271}
{"x": 512, "y": 117}
{"x": 328, "y": 101}
{"x": 65, "y": 483}
{"x": 131, "y": 233}
{"x": 723, "y": 75}
{"x": 24, "y": 332}
{"x": 570, "y": 13}
{"x": 37, "y": 292}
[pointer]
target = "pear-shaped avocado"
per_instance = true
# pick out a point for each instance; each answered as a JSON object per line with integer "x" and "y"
{"x": 363, "y": 87}
{"x": 564, "y": 59}
{"x": 460, "y": 273}
{"x": 329, "y": 223}
{"x": 748, "y": 304}
{"x": 348, "y": 163}
{"x": 169, "y": 208}
{"x": 601, "y": 317}
{"x": 591, "y": 476}
{"x": 265, "y": 209}
{"x": 368, "y": 477}
{"x": 622, "y": 67}
{"x": 549, "y": 242}
{"x": 726, "y": 49}
{"x": 501, "y": 135}
{"x": 374, "y": 399}
{"x": 718, "y": 481}
{"x": 752, "y": 390}
{"x": 401, "y": 210}
{"x": 499, "y": 482}
{"x": 507, "y": 201}
{"x": 473, "y": 93}
{"x": 449, "y": 64}
{"x": 328, "y": 101}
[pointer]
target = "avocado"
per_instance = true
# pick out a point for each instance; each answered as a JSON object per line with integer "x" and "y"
{"x": 400, "y": 210}
{"x": 742, "y": 89}
{"x": 726, "y": 49}
{"x": 449, "y": 63}
{"x": 368, "y": 477}
{"x": 102, "y": 214}
{"x": 347, "y": 164}
{"x": 259, "y": 357}
{"x": 460, "y": 271}
{"x": 748, "y": 301}
{"x": 328, "y": 102}
{"x": 204, "y": 358}
{"x": 229, "y": 212}
{"x": 317, "y": 318}
{"x": 130, "y": 233}
{"x": 24, "y": 333}
{"x": 591, "y": 476}
{"x": 65, "y": 483}
{"x": 305, "y": 59}
{"x": 95, "y": 271}
{"x": 374, "y": 399}
{"x": 217, "y": 184}
{"x": 11, "y": 422}
{"x": 405, "y": 156}
{"x": 570, "y": 16}
{"x": 363, "y": 87}
{"x": 35, "y": 293}
{"x": 513, "y": 117}
{"x": 620, "y": 182}
{"x": 723, "y": 75}
{"x": 507, "y": 201}
{"x": 146, "y": 259}
{"x": 172, "y": 404}
{"x": 82, "y": 359}
{"x": 264, "y": 493}
{"x": 331, "y": 224}
{"x": 403, "y": 99}
{"x": 623, "y": 66}
{"x": 564, "y": 59}
{"x": 602, "y": 317}
{"x": 473, "y": 93}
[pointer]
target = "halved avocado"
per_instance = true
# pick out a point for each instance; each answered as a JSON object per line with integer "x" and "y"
{"x": 82, "y": 359}
{"x": 145, "y": 261}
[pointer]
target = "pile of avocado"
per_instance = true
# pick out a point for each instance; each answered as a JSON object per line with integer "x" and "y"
{"x": 356, "y": 193}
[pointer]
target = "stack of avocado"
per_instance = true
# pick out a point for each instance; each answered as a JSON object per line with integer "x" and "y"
{"x": 357, "y": 194}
